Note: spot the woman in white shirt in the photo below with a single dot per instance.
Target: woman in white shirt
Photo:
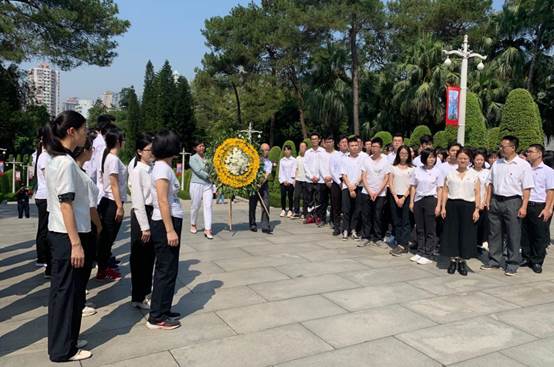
(114, 184)
(460, 209)
(142, 251)
(287, 174)
(399, 185)
(425, 196)
(68, 231)
(167, 221)
(479, 165)
(41, 196)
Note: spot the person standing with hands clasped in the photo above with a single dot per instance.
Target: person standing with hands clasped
(201, 190)
(287, 175)
(535, 235)
(68, 232)
(460, 208)
(167, 221)
(510, 182)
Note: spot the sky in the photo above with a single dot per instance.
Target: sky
(160, 30)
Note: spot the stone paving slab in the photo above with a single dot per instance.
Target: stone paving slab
(387, 275)
(536, 354)
(311, 269)
(535, 320)
(252, 262)
(493, 359)
(445, 285)
(528, 294)
(162, 359)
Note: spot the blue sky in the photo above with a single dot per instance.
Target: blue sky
(160, 30)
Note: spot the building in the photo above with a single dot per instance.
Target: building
(45, 87)
(71, 104)
(84, 106)
(108, 99)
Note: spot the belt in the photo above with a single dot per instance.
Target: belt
(536, 203)
(506, 198)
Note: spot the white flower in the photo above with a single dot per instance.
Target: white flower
(236, 162)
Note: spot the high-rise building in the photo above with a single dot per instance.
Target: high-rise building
(71, 104)
(108, 99)
(84, 106)
(45, 87)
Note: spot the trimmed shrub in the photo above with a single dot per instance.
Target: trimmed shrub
(6, 182)
(451, 134)
(475, 123)
(440, 139)
(385, 135)
(275, 154)
(493, 139)
(292, 146)
(418, 132)
(520, 118)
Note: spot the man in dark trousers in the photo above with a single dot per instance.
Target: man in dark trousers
(264, 193)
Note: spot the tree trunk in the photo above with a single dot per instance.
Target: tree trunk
(302, 122)
(535, 55)
(239, 116)
(272, 129)
(355, 79)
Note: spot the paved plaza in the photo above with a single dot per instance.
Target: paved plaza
(298, 298)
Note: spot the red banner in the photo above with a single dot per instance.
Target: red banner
(1, 168)
(452, 105)
(179, 170)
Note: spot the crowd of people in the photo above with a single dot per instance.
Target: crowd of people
(452, 203)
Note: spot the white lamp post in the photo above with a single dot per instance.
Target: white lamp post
(249, 132)
(465, 54)
(183, 155)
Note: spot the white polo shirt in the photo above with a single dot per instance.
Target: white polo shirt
(352, 168)
(287, 170)
(543, 179)
(376, 170)
(483, 181)
(114, 166)
(311, 163)
(300, 172)
(64, 176)
(426, 182)
(140, 185)
(401, 179)
(162, 171)
(462, 188)
(43, 160)
(335, 165)
(98, 146)
(510, 178)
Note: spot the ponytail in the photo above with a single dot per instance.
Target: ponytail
(112, 138)
(56, 131)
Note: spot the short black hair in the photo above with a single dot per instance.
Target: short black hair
(466, 151)
(377, 140)
(315, 133)
(454, 145)
(105, 123)
(398, 135)
(329, 137)
(352, 139)
(426, 139)
(287, 147)
(343, 137)
(166, 144)
(425, 153)
(482, 152)
(397, 158)
(197, 142)
(538, 147)
(512, 139)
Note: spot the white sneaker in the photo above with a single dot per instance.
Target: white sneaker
(424, 261)
(80, 355)
(81, 343)
(486, 246)
(144, 305)
(415, 258)
(283, 213)
(289, 214)
(88, 311)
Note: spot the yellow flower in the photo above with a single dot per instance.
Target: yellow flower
(223, 173)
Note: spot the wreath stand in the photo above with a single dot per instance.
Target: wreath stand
(230, 212)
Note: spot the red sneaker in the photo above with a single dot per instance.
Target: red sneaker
(108, 275)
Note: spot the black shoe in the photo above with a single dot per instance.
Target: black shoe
(321, 224)
(525, 263)
(166, 324)
(254, 228)
(267, 231)
(452, 267)
(336, 232)
(462, 268)
(173, 315)
(537, 268)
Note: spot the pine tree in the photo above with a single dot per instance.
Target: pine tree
(185, 123)
(166, 97)
(133, 118)
(149, 100)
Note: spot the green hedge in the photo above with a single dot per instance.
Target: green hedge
(475, 134)
(292, 146)
(185, 194)
(440, 139)
(385, 136)
(418, 132)
(521, 118)
(493, 139)
(6, 182)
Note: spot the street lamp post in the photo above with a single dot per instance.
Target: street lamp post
(183, 155)
(465, 54)
(249, 132)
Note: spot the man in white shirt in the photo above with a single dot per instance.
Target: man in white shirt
(451, 162)
(510, 182)
(264, 193)
(300, 183)
(287, 174)
(375, 177)
(312, 160)
(425, 142)
(397, 142)
(351, 174)
(535, 230)
(335, 167)
(104, 123)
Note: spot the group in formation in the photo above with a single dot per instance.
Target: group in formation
(455, 203)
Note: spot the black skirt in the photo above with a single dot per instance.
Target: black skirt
(459, 233)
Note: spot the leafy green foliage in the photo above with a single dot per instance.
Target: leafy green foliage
(185, 124)
(274, 154)
(520, 118)
(493, 138)
(149, 99)
(418, 132)
(440, 139)
(385, 136)
(475, 129)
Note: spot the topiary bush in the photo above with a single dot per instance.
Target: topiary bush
(418, 132)
(386, 136)
(476, 129)
(275, 154)
(6, 182)
(440, 139)
(493, 139)
(520, 118)
(451, 134)
(292, 146)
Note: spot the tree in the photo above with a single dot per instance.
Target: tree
(385, 136)
(68, 32)
(493, 139)
(418, 132)
(521, 118)
(96, 110)
(440, 139)
(150, 118)
(475, 129)
(185, 124)
(133, 118)
(167, 92)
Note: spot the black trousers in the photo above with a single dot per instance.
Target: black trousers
(67, 297)
(336, 206)
(402, 227)
(43, 249)
(459, 233)
(142, 260)
(324, 194)
(300, 193)
(311, 198)
(166, 269)
(23, 207)
(287, 191)
(426, 225)
(106, 209)
(482, 227)
(535, 235)
(350, 210)
(372, 217)
(253, 202)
